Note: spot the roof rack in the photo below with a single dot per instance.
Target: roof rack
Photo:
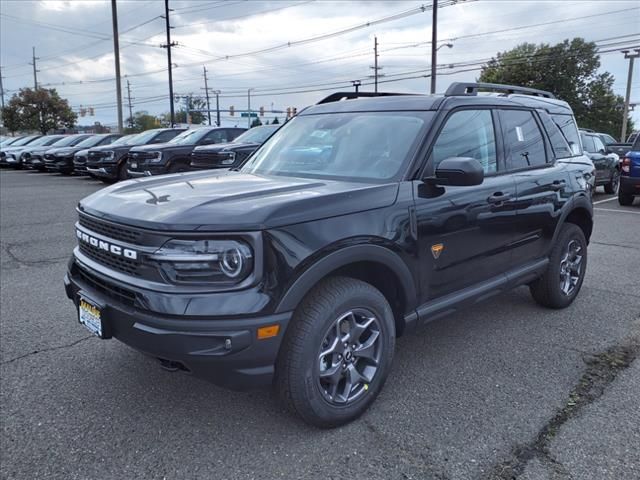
(338, 96)
(471, 89)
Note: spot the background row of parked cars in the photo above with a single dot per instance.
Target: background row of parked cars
(112, 157)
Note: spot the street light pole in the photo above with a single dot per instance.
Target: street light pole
(625, 115)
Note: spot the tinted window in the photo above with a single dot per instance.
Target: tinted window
(257, 134)
(523, 141)
(467, 133)
(599, 145)
(559, 144)
(607, 139)
(165, 136)
(569, 129)
(215, 136)
(587, 143)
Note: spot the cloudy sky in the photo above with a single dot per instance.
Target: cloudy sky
(284, 50)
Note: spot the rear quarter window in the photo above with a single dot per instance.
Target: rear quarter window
(569, 129)
(559, 144)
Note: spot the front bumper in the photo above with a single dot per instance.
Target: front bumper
(225, 351)
(103, 170)
(630, 185)
(59, 165)
(146, 169)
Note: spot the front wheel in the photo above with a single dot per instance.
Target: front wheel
(612, 186)
(562, 280)
(337, 352)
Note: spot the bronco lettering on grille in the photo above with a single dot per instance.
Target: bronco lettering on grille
(107, 246)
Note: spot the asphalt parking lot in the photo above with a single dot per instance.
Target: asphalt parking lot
(505, 390)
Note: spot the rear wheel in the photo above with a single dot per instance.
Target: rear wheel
(625, 199)
(614, 182)
(337, 352)
(562, 280)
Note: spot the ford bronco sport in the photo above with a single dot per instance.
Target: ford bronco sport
(356, 222)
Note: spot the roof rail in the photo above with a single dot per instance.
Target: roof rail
(338, 96)
(471, 89)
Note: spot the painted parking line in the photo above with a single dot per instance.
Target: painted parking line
(616, 211)
(605, 200)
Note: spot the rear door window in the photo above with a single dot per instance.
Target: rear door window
(559, 144)
(523, 140)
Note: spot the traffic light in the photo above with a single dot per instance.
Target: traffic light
(231, 111)
(288, 112)
(83, 111)
(262, 111)
(294, 112)
(91, 111)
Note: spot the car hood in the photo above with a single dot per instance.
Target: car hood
(159, 147)
(108, 148)
(224, 147)
(84, 152)
(231, 201)
(62, 150)
(14, 149)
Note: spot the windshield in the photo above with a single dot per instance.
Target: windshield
(190, 137)
(124, 140)
(23, 141)
(143, 137)
(44, 141)
(356, 146)
(68, 141)
(91, 141)
(256, 134)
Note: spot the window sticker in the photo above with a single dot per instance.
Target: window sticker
(519, 134)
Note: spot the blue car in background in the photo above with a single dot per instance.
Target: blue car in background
(630, 175)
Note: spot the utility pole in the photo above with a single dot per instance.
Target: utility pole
(130, 107)
(168, 47)
(116, 54)
(217, 92)
(631, 57)
(206, 92)
(249, 107)
(35, 70)
(1, 90)
(434, 45)
(375, 65)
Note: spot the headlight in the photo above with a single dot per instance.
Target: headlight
(223, 262)
(109, 155)
(157, 156)
(230, 158)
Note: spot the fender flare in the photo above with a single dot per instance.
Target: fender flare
(581, 201)
(340, 258)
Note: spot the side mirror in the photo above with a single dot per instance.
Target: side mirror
(458, 171)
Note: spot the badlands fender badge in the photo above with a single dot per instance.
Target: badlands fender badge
(436, 250)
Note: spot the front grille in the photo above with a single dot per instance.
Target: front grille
(110, 230)
(122, 294)
(120, 264)
(141, 155)
(210, 159)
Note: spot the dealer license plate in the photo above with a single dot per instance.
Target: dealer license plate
(90, 316)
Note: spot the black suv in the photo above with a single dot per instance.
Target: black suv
(356, 222)
(109, 163)
(174, 156)
(229, 155)
(607, 164)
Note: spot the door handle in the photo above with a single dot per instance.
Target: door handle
(499, 197)
(558, 185)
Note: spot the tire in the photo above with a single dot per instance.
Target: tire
(122, 172)
(614, 182)
(556, 288)
(321, 323)
(177, 168)
(625, 199)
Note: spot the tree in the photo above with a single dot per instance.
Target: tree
(40, 109)
(197, 118)
(275, 121)
(570, 71)
(256, 122)
(141, 121)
